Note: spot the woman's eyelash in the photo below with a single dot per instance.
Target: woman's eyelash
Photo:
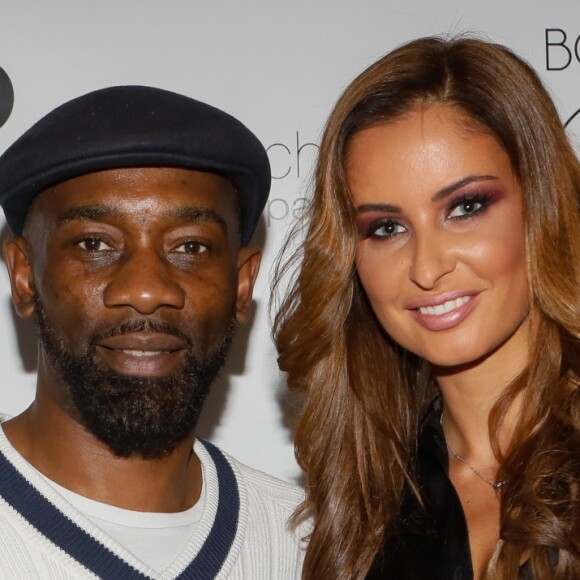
(383, 229)
(465, 207)
(468, 206)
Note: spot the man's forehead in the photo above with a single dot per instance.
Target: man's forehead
(141, 194)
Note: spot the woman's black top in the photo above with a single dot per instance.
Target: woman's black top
(431, 542)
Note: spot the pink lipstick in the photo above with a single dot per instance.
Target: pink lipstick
(444, 311)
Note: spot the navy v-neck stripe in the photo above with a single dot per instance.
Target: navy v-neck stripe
(71, 538)
(60, 530)
(213, 553)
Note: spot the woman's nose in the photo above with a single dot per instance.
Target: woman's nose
(432, 259)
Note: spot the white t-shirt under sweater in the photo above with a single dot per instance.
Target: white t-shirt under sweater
(242, 533)
(156, 539)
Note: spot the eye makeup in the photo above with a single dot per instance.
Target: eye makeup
(378, 226)
(382, 221)
(468, 206)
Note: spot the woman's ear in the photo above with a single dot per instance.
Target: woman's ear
(248, 267)
(17, 254)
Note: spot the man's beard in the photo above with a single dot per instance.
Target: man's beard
(134, 416)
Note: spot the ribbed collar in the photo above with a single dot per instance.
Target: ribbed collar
(54, 518)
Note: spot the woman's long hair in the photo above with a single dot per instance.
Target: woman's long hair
(365, 394)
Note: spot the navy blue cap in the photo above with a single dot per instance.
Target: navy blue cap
(133, 126)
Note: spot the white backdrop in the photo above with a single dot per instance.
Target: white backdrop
(278, 66)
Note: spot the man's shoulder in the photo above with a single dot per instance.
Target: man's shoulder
(277, 490)
(264, 506)
(264, 486)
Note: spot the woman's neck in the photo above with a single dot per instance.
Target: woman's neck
(469, 394)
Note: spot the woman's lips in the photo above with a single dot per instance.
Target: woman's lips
(445, 311)
(444, 308)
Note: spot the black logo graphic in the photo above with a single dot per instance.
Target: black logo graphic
(6, 96)
(573, 127)
(575, 116)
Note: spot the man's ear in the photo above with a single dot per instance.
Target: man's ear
(248, 267)
(17, 253)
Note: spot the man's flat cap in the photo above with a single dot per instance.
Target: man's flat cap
(133, 126)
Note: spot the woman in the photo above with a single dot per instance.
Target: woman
(435, 322)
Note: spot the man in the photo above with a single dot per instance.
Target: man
(132, 210)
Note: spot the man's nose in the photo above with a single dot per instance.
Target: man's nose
(145, 282)
(433, 257)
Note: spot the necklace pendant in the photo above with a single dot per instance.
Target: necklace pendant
(496, 486)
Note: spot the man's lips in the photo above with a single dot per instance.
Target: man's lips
(142, 354)
(143, 342)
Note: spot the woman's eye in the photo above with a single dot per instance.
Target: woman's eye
(466, 208)
(386, 229)
(191, 247)
(94, 245)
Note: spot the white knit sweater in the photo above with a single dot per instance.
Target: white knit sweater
(242, 535)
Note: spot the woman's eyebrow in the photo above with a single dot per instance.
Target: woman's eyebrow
(438, 196)
(386, 207)
(449, 189)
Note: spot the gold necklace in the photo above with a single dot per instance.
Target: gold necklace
(497, 485)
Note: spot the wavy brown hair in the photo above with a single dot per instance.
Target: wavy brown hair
(365, 394)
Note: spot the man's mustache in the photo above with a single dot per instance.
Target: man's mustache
(142, 325)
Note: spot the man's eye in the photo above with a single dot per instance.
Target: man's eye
(94, 245)
(191, 247)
